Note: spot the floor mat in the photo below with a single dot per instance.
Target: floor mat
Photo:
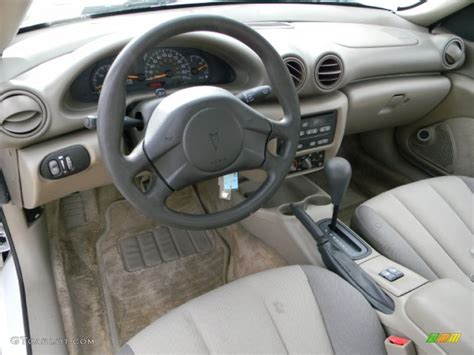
(148, 270)
(161, 245)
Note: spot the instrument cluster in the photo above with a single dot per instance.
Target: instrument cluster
(159, 68)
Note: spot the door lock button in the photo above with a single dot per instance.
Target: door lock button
(69, 163)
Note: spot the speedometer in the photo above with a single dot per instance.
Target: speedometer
(167, 66)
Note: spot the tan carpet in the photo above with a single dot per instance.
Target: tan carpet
(248, 254)
(100, 300)
(75, 224)
(135, 299)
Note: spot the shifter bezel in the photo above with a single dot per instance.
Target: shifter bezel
(346, 239)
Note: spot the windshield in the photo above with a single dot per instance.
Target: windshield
(46, 11)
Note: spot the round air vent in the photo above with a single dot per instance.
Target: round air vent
(328, 72)
(297, 71)
(453, 53)
(21, 113)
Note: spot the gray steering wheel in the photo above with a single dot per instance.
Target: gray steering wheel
(197, 133)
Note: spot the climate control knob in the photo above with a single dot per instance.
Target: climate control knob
(307, 163)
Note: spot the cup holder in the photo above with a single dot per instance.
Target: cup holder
(314, 200)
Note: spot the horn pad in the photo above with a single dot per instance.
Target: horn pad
(212, 139)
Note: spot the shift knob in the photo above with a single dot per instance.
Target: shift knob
(338, 172)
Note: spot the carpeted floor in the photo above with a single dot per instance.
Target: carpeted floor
(101, 300)
(249, 254)
(135, 299)
(75, 224)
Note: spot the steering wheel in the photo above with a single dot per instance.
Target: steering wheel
(197, 133)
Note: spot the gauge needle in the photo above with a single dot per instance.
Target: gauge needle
(202, 67)
(159, 76)
(133, 77)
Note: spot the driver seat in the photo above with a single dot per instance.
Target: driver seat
(293, 309)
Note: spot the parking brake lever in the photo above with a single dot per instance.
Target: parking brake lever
(342, 264)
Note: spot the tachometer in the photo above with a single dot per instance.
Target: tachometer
(167, 66)
(98, 77)
(199, 68)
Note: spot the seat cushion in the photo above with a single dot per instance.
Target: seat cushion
(426, 226)
(286, 310)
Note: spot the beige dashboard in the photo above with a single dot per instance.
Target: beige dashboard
(390, 74)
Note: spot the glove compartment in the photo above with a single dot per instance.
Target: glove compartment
(391, 102)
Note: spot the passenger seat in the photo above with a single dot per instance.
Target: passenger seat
(427, 226)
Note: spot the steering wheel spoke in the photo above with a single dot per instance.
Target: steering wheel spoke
(272, 163)
(183, 176)
(158, 192)
(136, 162)
(281, 129)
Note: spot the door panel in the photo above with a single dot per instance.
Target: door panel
(442, 142)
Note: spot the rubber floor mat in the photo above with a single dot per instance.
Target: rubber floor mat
(161, 245)
(148, 269)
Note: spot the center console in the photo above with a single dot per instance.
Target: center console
(316, 132)
(323, 123)
(434, 315)
(427, 316)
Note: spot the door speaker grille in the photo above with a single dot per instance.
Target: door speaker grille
(440, 150)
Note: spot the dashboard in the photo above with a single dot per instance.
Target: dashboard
(159, 68)
(354, 71)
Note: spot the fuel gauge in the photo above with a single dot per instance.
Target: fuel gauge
(199, 68)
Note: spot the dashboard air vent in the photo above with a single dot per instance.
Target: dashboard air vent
(21, 114)
(453, 53)
(328, 72)
(297, 71)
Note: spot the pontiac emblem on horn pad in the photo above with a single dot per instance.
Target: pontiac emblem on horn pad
(214, 138)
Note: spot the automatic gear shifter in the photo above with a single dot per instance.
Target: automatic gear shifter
(341, 263)
(338, 172)
(339, 246)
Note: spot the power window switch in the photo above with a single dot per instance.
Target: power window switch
(54, 167)
(391, 274)
(395, 271)
(387, 275)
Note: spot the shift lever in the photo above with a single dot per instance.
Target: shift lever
(338, 172)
